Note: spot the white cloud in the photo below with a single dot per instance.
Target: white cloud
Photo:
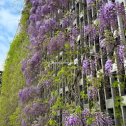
(9, 18)
(2, 2)
(8, 21)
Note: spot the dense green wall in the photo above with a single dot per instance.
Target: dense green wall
(12, 79)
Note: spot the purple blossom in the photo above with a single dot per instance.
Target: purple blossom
(45, 9)
(34, 2)
(121, 53)
(38, 10)
(32, 10)
(85, 112)
(90, 31)
(36, 109)
(63, 3)
(74, 31)
(52, 23)
(85, 115)
(108, 66)
(65, 23)
(108, 15)
(72, 120)
(38, 24)
(56, 43)
(72, 41)
(28, 80)
(73, 35)
(92, 93)
(120, 8)
(43, 29)
(86, 65)
(52, 46)
(35, 59)
(23, 123)
(47, 83)
(102, 119)
(92, 67)
(24, 65)
(32, 17)
(99, 118)
(103, 43)
(29, 93)
(51, 100)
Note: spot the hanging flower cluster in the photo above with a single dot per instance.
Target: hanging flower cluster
(86, 65)
(108, 66)
(108, 14)
(89, 66)
(29, 93)
(50, 28)
(56, 43)
(92, 93)
(73, 120)
(35, 109)
(98, 119)
(42, 25)
(121, 53)
(91, 31)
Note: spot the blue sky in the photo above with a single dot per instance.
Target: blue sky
(10, 13)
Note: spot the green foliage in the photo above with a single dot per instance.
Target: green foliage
(78, 110)
(13, 79)
(83, 95)
(14, 118)
(58, 105)
(52, 122)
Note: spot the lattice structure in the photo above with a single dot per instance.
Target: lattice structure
(88, 57)
(108, 94)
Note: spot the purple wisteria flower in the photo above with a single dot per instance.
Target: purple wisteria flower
(85, 112)
(35, 59)
(29, 93)
(45, 9)
(92, 67)
(120, 8)
(108, 66)
(86, 65)
(36, 109)
(73, 120)
(23, 123)
(64, 3)
(47, 83)
(121, 53)
(102, 119)
(24, 65)
(51, 100)
(108, 15)
(65, 23)
(92, 92)
(98, 118)
(56, 43)
(90, 30)
(85, 115)
(103, 43)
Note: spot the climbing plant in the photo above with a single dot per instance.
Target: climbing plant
(12, 78)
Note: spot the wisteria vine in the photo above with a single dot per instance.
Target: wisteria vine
(51, 29)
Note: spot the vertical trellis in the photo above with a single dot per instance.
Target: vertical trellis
(107, 95)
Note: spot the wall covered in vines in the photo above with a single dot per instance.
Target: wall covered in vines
(73, 73)
(12, 78)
